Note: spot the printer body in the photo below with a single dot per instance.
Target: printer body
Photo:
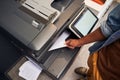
(29, 21)
(37, 24)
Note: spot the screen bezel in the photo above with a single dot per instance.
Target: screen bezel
(74, 29)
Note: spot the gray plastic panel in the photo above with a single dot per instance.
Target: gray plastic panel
(21, 26)
(43, 37)
(17, 22)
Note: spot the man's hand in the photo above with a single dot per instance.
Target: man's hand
(92, 37)
(72, 43)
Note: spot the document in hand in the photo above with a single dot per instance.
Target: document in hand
(29, 71)
(60, 42)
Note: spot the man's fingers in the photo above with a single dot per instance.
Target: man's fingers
(71, 47)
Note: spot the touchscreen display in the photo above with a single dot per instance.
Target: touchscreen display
(85, 22)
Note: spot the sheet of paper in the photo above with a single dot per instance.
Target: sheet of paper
(29, 71)
(60, 42)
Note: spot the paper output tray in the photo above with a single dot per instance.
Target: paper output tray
(59, 60)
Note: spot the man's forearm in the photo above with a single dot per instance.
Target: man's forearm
(92, 37)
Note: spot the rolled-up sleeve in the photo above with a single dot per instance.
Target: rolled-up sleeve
(112, 24)
(106, 30)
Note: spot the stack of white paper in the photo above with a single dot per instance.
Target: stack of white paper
(29, 71)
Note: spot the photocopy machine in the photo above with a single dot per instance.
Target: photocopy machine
(29, 20)
(35, 24)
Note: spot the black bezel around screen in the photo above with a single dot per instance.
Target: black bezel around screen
(74, 29)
